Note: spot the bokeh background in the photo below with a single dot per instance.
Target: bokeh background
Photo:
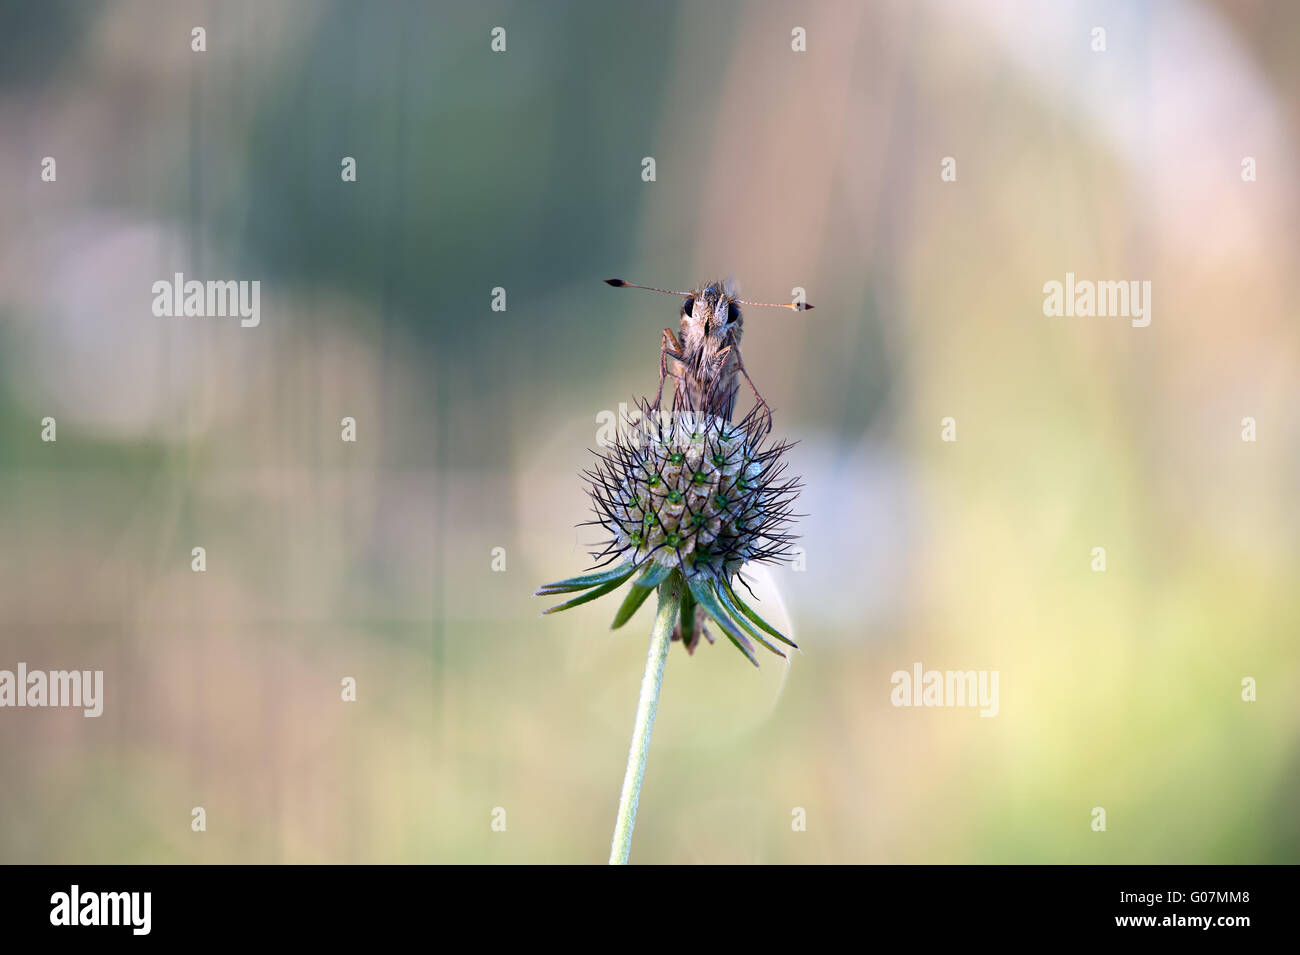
(522, 170)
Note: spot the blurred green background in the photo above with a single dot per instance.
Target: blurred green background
(522, 170)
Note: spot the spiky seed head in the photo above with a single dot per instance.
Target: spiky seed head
(692, 491)
(688, 499)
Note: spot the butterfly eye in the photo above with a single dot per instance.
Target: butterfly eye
(733, 313)
(688, 306)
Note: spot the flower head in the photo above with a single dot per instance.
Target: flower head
(690, 493)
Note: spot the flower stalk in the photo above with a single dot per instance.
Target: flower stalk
(670, 597)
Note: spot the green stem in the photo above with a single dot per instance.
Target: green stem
(670, 598)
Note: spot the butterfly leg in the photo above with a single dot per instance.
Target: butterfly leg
(723, 356)
(740, 366)
(669, 348)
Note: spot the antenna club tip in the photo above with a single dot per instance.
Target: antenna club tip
(617, 283)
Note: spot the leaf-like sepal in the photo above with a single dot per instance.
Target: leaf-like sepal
(738, 616)
(620, 573)
(749, 612)
(589, 595)
(704, 596)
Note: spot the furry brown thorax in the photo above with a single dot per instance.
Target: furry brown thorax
(710, 322)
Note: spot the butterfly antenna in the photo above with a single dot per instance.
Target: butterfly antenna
(795, 306)
(619, 283)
